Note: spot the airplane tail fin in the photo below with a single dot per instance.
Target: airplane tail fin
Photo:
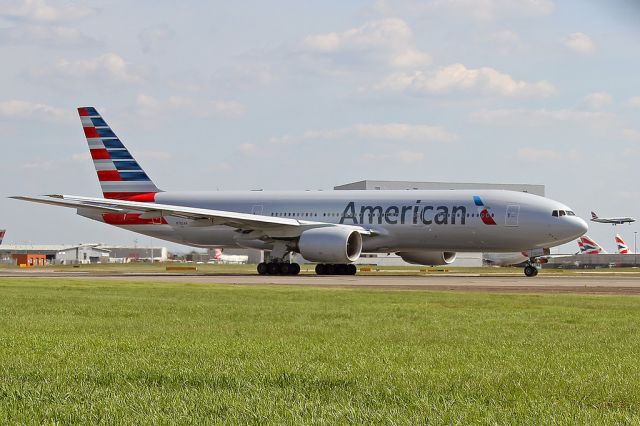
(120, 175)
(581, 246)
(218, 254)
(594, 215)
(591, 247)
(2, 231)
(622, 246)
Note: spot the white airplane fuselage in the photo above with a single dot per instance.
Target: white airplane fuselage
(449, 220)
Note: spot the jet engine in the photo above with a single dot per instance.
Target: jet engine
(430, 258)
(330, 245)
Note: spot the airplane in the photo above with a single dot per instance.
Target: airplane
(591, 247)
(622, 246)
(611, 220)
(2, 232)
(220, 257)
(330, 228)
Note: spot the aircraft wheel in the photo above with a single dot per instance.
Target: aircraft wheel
(262, 268)
(285, 269)
(320, 269)
(330, 269)
(274, 268)
(341, 269)
(530, 271)
(295, 269)
(351, 269)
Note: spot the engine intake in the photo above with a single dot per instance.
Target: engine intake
(330, 245)
(429, 258)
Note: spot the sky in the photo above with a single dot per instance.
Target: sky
(308, 95)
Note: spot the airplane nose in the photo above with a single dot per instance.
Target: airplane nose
(581, 227)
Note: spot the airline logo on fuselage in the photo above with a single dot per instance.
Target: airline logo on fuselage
(415, 214)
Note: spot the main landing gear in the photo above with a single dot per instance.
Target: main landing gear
(530, 270)
(278, 268)
(339, 269)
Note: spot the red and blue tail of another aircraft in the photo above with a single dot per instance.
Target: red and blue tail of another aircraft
(120, 175)
(622, 246)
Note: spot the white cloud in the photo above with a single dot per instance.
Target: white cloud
(148, 105)
(391, 39)
(544, 155)
(580, 42)
(44, 35)
(81, 157)
(155, 38)
(506, 41)
(390, 131)
(41, 11)
(531, 118)
(631, 134)
(109, 69)
(248, 149)
(598, 100)
(401, 156)
(634, 102)
(32, 110)
(458, 78)
(492, 9)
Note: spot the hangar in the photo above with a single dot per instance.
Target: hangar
(53, 254)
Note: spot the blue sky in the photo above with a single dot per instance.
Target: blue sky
(307, 95)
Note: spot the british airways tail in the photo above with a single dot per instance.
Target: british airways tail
(594, 215)
(120, 175)
(622, 246)
(2, 231)
(591, 247)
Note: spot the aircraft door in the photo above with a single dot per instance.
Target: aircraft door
(513, 211)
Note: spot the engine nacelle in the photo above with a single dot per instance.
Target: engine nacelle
(330, 245)
(430, 258)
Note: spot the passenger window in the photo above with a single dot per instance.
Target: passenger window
(555, 213)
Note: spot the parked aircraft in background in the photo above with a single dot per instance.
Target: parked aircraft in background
(331, 228)
(220, 257)
(591, 247)
(622, 246)
(2, 231)
(611, 220)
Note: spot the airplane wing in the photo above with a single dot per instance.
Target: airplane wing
(244, 221)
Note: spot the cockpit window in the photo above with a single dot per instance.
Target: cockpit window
(554, 213)
(570, 213)
(562, 213)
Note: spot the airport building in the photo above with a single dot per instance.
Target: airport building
(381, 185)
(126, 254)
(52, 254)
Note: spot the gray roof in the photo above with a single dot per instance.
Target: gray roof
(55, 248)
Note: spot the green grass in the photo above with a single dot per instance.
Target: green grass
(118, 352)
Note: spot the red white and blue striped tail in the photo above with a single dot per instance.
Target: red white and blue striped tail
(622, 246)
(120, 175)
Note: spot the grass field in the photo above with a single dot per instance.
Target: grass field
(118, 352)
